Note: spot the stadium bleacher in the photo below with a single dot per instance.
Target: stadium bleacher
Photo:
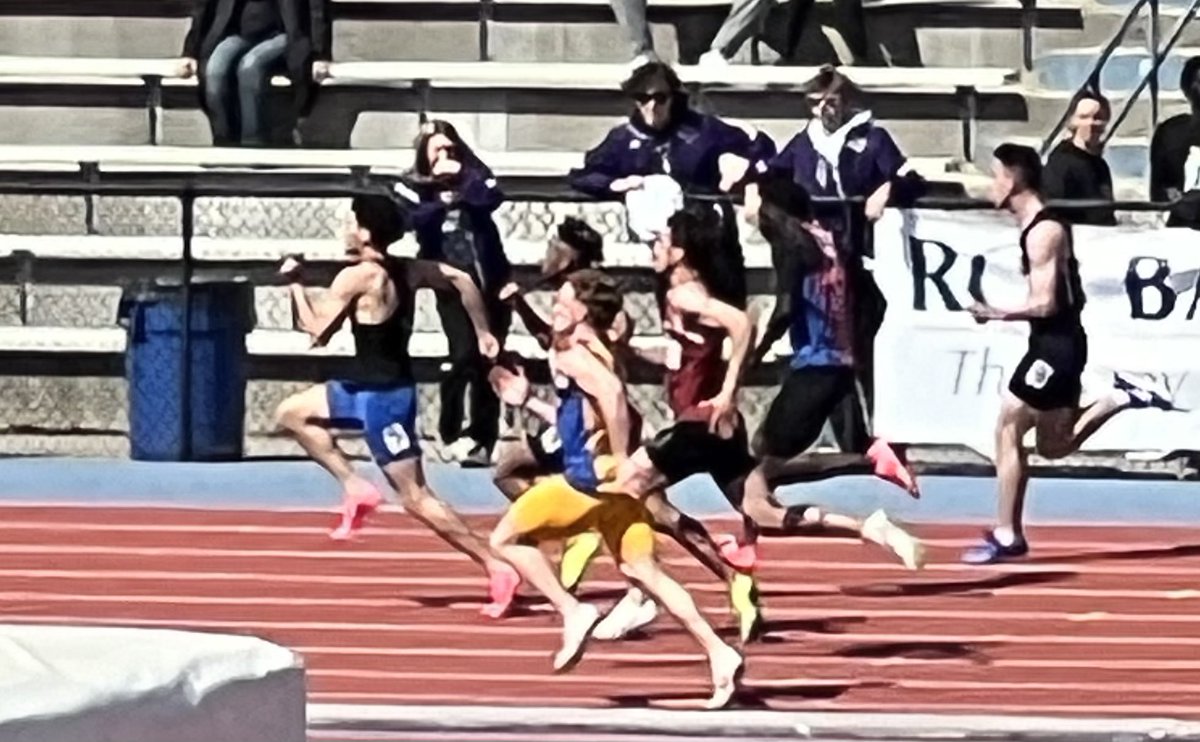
(91, 86)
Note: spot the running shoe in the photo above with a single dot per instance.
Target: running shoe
(743, 599)
(631, 613)
(727, 670)
(880, 529)
(991, 551)
(577, 629)
(577, 555)
(742, 557)
(890, 466)
(1144, 393)
(503, 582)
(359, 500)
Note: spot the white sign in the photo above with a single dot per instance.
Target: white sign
(939, 375)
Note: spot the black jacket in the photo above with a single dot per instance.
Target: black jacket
(307, 24)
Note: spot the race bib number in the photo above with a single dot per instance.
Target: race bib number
(1038, 375)
(396, 438)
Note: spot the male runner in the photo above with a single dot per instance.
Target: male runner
(1044, 391)
(822, 374)
(375, 292)
(569, 503)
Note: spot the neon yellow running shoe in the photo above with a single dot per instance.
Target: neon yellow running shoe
(577, 555)
(743, 598)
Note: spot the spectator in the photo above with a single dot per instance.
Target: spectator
(747, 17)
(1175, 155)
(664, 136)
(237, 45)
(453, 224)
(1076, 168)
(842, 153)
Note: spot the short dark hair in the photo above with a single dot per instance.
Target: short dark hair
(649, 74)
(600, 294)
(381, 217)
(1023, 161)
(786, 206)
(1191, 69)
(1094, 95)
(829, 80)
(583, 239)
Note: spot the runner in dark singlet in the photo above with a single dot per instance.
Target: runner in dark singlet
(1044, 391)
(379, 397)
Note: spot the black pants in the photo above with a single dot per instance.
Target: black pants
(468, 372)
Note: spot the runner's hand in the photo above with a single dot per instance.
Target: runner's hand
(489, 346)
(512, 387)
(291, 266)
(722, 414)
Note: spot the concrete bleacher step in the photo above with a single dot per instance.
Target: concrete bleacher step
(1067, 69)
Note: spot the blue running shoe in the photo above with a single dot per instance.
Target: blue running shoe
(1145, 393)
(992, 551)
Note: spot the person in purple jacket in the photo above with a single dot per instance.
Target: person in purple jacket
(664, 136)
(842, 152)
(453, 224)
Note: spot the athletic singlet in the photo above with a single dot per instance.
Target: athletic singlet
(701, 372)
(381, 350)
(1068, 293)
(579, 464)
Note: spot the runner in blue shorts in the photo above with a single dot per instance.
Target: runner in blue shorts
(379, 396)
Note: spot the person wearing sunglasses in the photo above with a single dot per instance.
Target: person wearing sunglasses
(456, 197)
(665, 136)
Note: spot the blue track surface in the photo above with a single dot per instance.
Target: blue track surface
(290, 484)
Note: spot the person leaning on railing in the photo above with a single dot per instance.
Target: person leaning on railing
(1175, 155)
(456, 196)
(236, 46)
(665, 136)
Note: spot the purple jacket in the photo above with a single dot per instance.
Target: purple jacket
(869, 159)
(687, 151)
(478, 196)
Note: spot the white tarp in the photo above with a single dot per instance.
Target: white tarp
(939, 375)
(68, 684)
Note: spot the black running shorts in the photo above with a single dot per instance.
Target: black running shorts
(1049, 376)
(688, 448)
(805, 400)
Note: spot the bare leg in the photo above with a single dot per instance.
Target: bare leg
(305, 416)
(724, 661)
(578, 618)
(514, 472)
(1012, 465)
(1063, 432)
(689, 533)
(407, 477)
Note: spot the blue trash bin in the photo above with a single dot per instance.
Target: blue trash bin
(222, 315)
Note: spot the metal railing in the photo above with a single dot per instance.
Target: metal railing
(1150, 78)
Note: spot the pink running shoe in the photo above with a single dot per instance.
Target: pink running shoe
(741, 557)
(359, 500)
(503, 582)
(890, 466)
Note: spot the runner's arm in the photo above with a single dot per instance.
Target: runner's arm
(324, 319)
(606, 391)
(428, 274)
(1045, 245)
(734, 321)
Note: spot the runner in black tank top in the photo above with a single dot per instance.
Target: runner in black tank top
(379, 395)
(1044, 391)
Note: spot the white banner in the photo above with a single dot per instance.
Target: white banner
(939, 375)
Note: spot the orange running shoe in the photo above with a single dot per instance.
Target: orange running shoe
(503, 582)
(890, 466)
(359, 500)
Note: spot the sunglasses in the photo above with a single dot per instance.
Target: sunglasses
(644, 98)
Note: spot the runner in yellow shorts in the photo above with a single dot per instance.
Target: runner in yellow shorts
(593, 425)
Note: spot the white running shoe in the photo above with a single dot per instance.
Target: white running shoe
(633, 612)
(468, 452)
(712, 59)
(577, 629)
(879, 529)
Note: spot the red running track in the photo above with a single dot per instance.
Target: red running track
(1103, 621)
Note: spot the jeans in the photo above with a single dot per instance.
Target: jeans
(238, 87)
(631, 17)
(468, 372)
